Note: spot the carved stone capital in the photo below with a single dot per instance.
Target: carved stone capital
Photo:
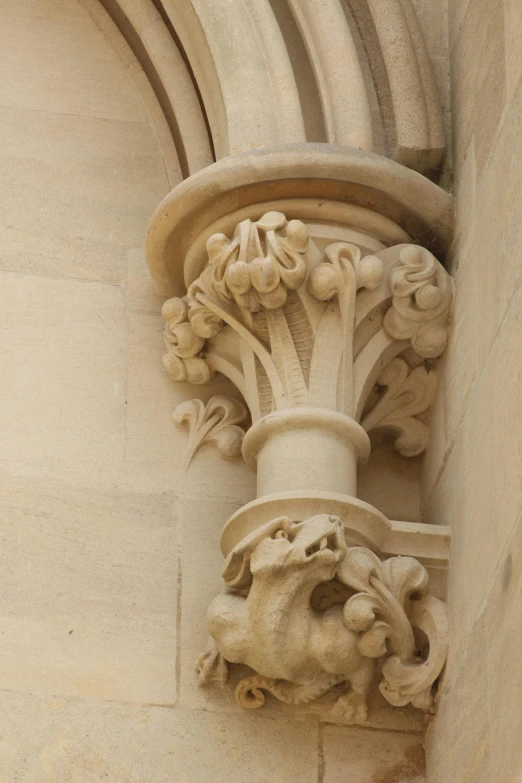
(315, 298)
(334, 328)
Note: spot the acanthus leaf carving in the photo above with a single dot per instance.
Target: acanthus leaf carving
(421, 305)
(266, 619)
(216, 422)
(409, 393)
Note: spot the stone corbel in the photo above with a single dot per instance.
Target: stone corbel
(318, 298)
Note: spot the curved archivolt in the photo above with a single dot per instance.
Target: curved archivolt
(222, 77)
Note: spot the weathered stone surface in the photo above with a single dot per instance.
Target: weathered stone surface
(62, 349)
(355, 756)
(449, 505)
(478, 74)
(493, 456)
(498, 233)
(54, 59)
(155, 456)
(200, 567)
(55, 740)
(63, 215)
(513, 27)
(89, 593)
(459, 739)
(391, 483)
(475, 735)
(503, 615)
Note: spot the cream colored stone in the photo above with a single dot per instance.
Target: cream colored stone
(237, 45)
(478, 491)
(334, 58)
(432, 16)
(391, 483)
(459, 739)
(451, 504)
(89, 599)
(465, 208)
(307, 88)
(497, 231)
(76, 193)
(513, 28)
(433, 459)
(62, 411)
(55, 740)
(54, 59)
(142, 295)
(478, 73)
(355, 756)
(201, 520)
(256, 271)
(155, 456)
(145, 89)
(419, 132)
(494, 459)
(90, 536)
(456, 12)
(168, 66)
(460, 362)
(503, 617)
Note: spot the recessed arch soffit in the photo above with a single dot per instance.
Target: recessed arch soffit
(229, 76)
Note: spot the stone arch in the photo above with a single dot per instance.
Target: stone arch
(229, 76)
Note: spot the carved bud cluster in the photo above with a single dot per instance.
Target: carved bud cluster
(184, 360)
(256, 268)
(329, 279)
(422, 296)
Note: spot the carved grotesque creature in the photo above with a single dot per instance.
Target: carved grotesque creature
(266, 619)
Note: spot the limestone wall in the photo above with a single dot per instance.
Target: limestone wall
(109, 551)
(472, 476)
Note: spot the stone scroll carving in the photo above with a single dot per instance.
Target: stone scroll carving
(216, 422)
(408, 394)
(307, 613)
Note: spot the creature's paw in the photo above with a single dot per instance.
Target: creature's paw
(211, 668)
(351, 708)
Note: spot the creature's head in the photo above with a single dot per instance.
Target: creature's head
(311, 549)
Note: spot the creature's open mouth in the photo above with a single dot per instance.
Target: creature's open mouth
(326, 542)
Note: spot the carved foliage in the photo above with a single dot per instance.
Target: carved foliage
(289, 332)
(408, 394)
(184, 360)
(258, 266)
(422, 297)
(216, 422)
(345, 269)
(268, 621)
(382, 610)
